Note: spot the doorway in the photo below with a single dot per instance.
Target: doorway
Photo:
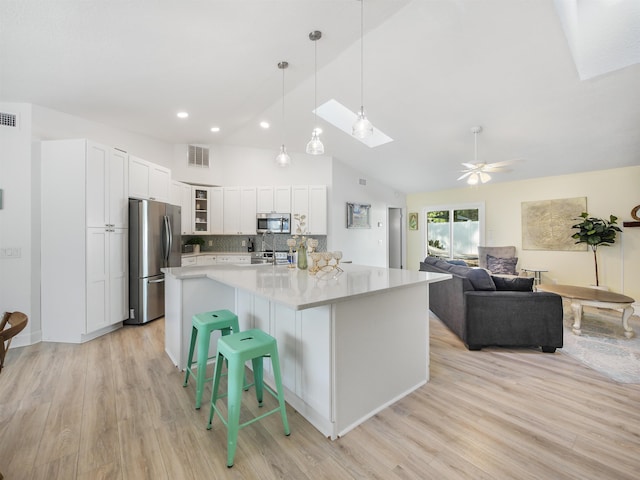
(395, 237)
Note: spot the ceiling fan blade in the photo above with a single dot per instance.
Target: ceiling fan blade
(470, 165)
(464, 175)
(504, 163)
(489, 169)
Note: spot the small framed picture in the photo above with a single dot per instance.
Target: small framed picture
(413, 221)
(358, 215)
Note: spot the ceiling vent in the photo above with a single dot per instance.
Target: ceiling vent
(198, 156)
(8, 119)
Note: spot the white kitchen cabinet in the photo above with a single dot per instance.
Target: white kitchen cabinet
(84, 261)
(233, 259)
(186, 211)
(317, 219)
(148, 180)
(216, 219)
(206, 260)
(310, 200)
(200, 200)
(107, 277)
(273, 199)
(189, 261)
(239, 210)
(106, 180)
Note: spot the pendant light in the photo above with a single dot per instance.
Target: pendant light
(315, 146)
(362, 127)
(283, 159)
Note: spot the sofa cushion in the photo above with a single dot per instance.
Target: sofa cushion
(481, 280)
(515, 284)
(458, 262)
(442, 265)
(502, 265)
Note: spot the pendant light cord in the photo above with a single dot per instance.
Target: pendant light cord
(315, 85)
(362, 54)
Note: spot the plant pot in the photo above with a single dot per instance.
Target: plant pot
(196, 249)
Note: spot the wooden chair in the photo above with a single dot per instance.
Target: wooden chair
(16, 321)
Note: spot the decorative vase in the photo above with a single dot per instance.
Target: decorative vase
(196, 249)
(302, 257)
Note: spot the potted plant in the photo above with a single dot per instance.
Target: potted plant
(197, 242)
(596, 232)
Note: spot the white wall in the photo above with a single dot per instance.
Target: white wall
(53, 125)
(363, 246)
(19, 276)
(608, 192)
(231, 165)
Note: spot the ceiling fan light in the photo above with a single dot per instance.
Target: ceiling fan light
(484, 177)
(283, 159)
(315, 146)
(473, 179)
(362, 127)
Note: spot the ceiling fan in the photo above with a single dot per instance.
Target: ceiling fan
(479, 171)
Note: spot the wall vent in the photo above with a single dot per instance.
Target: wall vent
(362, 181)
(8, 119)
(198, 156)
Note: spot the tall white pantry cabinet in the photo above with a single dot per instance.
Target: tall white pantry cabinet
(84, 240)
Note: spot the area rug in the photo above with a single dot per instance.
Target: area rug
(602, 344)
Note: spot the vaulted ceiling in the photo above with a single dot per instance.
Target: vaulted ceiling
(432, 70)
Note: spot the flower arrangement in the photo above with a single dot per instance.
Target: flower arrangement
(301, 232)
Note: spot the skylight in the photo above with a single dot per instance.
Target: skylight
(603, 36)
(341, 117)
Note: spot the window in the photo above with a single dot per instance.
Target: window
(454, 231)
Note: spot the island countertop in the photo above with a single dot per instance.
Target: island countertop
(298, 290)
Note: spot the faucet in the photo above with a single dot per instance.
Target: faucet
(273, 245)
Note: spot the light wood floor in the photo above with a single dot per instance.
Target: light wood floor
(115, 408)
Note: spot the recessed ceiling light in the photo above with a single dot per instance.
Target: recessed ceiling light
(215, 129)
(264, 124)
(183, 114)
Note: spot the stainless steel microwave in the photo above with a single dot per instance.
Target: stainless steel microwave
(273, 222)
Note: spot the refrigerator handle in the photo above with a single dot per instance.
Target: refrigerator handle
(167, 240)
(170, 236)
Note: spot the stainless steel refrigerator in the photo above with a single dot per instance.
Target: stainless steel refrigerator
(154, 243)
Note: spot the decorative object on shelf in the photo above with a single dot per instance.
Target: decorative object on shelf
(315, 146)
(362, 127)
(413, 221)
(283, 159)
(479, 171)
(596, 232)
(291, 242)
(197, 242)
(358, 215)
(634, 212)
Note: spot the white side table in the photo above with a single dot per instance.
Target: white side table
(536, 274)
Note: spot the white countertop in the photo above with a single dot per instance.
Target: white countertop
(299, 290)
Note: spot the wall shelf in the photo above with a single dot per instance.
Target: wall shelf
(631, 224)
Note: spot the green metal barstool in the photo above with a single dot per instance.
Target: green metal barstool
(203, 324)
(238, 348)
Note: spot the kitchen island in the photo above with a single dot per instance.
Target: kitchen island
(350, 344)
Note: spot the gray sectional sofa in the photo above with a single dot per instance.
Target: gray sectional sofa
(485, 310)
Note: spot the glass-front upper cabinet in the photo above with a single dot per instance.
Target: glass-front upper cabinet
(201, 209)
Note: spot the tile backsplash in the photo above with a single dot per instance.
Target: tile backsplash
(233, 243)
